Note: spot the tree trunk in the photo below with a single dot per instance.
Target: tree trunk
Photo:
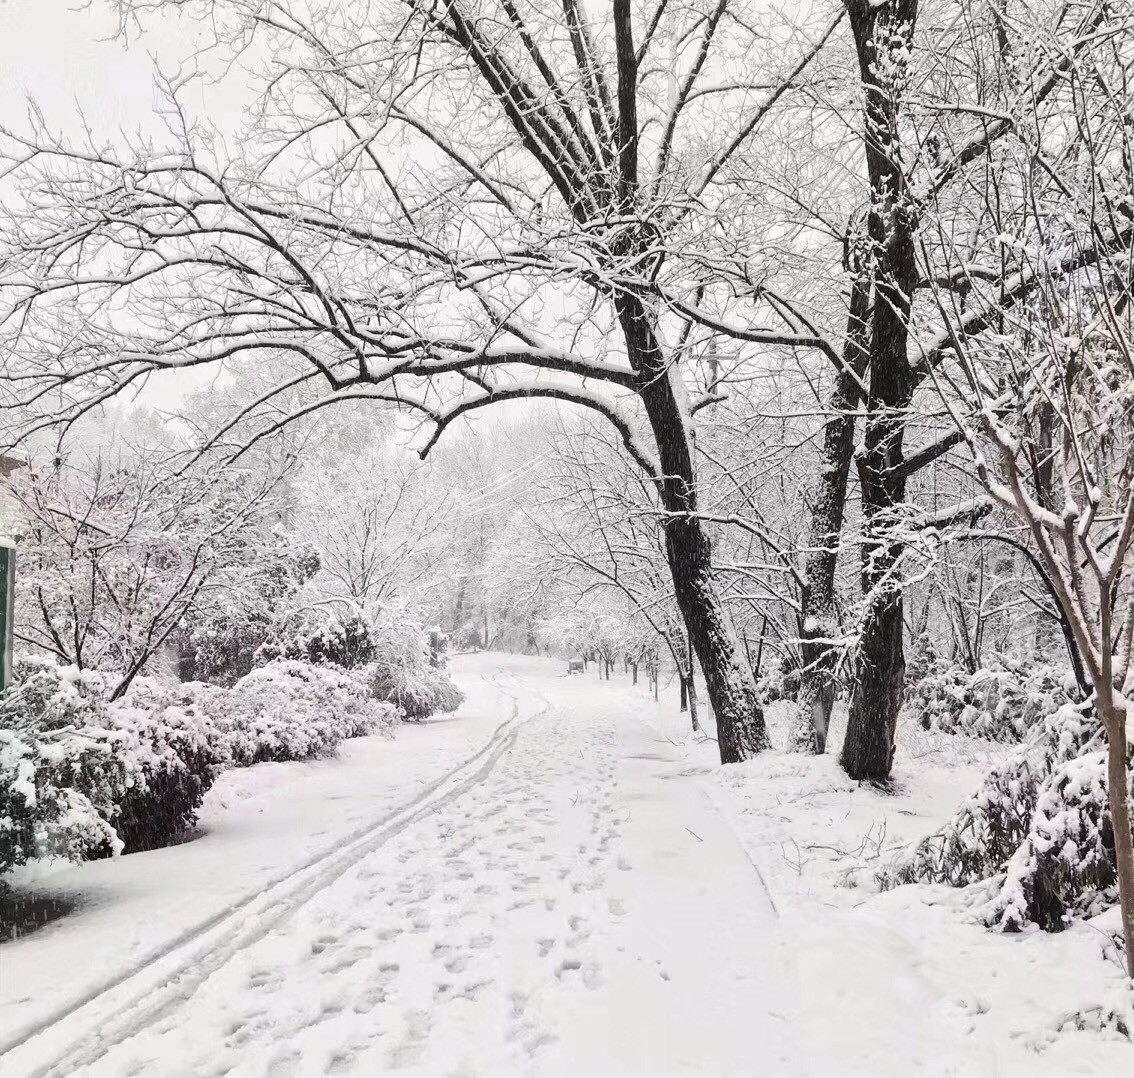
(684, 691)
(818, 614)
(868, 751)
(1118, 795)
(693, 703)
(728, 681)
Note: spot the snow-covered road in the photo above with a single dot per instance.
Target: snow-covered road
(565, 902)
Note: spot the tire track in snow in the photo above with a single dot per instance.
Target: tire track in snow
(179, 968)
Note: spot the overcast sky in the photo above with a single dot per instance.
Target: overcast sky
(67, 58)
(62, 55)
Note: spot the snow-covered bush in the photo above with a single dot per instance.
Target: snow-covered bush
(1037, 832)
(47, 695)
(290, 710)
(84, 777)
(43, 810)
(388, 643)
(171, 755)
(779, 680)
(141, 763)
(340, 637)
(417, 693)
(1065, 865)
(1000, 703)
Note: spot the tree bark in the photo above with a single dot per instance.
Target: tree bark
(693, 704)
(868, 751)
(818, 613)
(1118, 795)
(730, 685)
(729, 682)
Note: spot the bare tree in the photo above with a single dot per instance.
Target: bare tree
(118, 558)
(932, 115)
(1042, 386)
(434, 182)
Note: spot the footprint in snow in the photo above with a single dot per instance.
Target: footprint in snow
(341, 1063)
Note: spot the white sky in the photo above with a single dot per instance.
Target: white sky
(62, 54)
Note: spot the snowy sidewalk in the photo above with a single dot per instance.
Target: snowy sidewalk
(568, 903)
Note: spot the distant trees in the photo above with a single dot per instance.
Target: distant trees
(595, 528)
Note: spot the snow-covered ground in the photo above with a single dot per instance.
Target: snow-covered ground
(557, 880)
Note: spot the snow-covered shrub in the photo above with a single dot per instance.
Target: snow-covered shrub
(418, 693)
(1037, 831)
(290, 710)
(82, 777)
(402, 666)
(43, 812)
(779, 681)
(1001, 703)
(170, 752)
(1065, 865)
(141, 763)
(46, 695)
(339, 637)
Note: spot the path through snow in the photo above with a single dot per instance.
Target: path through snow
(567, 903)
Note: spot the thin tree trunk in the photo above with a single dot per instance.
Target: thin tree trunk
(684, 691)
(1118, 795)
(693, 703)
(729, 682)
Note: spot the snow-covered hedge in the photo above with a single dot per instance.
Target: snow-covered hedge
(44, 811)
(387, 646)
(83, 777)
(290, 710)
(416, 693)
(1037, 833)
(1000, 703)
(139, 765)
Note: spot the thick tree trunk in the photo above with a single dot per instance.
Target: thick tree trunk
(818, 614)
(868, 751)
(728, 681)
